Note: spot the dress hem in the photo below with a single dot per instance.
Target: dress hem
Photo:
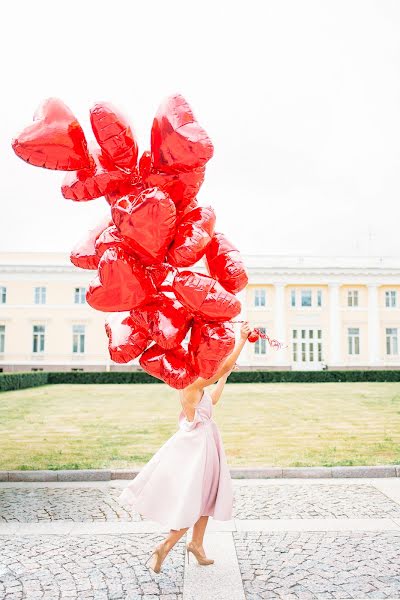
(128, 499)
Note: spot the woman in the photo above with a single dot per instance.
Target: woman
(188, 479)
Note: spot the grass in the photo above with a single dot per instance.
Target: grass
(275, 424)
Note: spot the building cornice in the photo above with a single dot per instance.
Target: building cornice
(279, 265)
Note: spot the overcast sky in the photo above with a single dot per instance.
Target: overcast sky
(300, 98)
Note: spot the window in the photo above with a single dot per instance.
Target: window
(259, 297)
(391, 298)
(307, 345)
(354, 340)
(2, 338)
(319, 297)
(78, 338)
(38, 338)
(391, 341)
(80, 295)
(40, 295)
(352, 298)
(293, 297)
(3, 294)
(306, 297)
(260, 347)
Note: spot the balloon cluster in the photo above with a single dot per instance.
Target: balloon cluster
(155, 230)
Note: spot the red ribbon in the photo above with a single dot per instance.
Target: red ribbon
(276, 344)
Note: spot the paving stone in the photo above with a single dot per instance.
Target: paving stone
(99, 567)
(44, 504)
(280, 501)
(334, 565)
(320, 501)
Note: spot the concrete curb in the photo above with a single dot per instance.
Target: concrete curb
(236, 473)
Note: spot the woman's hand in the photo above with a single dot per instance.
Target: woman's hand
(245, 331)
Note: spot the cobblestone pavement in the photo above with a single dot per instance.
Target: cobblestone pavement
(27, 505)
(102, 567)
(319, 565)
(281, 501)
(268, 550)
(313, 501)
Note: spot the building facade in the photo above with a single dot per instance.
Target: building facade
(329, 312)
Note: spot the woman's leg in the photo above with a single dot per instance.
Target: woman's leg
(198, 531)
(173, 537)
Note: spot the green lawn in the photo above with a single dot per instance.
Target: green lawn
(278, 424)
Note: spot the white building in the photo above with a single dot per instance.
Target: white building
(342, 312)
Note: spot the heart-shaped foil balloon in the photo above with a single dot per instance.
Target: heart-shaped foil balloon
(193, 234)
(112, 237)
(114, 135)
(224, 263)
(181, 187)
(83, 254)
(122, 282)
(178, 143)
(55, 140)
(159, 272)
(100, 179)
(165, 319)
(171, 366)
(129, 187)
(148, 221)
(125, 340)
(204, 297)
(210, 344)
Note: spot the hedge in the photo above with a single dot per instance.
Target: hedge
(17, 381)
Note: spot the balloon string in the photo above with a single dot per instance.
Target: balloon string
(272, 342)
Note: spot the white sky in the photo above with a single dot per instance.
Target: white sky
(300, 98)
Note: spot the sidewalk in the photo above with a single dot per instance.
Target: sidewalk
(289, 539)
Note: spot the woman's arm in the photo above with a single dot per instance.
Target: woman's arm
(219, 386)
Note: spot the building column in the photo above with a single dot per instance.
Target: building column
(279, 357)
(335, 325)
(245, 357)
(373, 325)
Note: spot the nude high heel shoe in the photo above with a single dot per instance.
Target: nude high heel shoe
(158, 560)
(201, 559)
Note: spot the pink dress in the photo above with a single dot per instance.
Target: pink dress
(187, 477)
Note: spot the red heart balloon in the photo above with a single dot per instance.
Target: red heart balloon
(55, 140)
(193, 234)
(178, 143)
(121, 284)
(165, 319)
(100, 179)
(182, 187)
(148, 221)
(180, 213)
(83, 254)
(210, 344)
(114, 135)
(159, 272)
(224, 263)
(131, 186)
(110, 238)
(205, 297)
(171, 366)
(125, 340)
